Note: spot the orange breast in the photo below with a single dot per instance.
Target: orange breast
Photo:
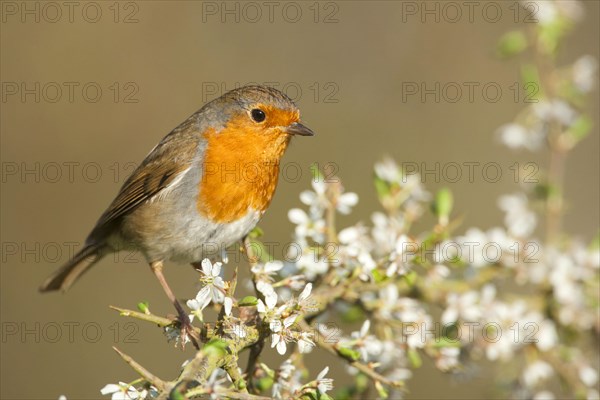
(241, 167)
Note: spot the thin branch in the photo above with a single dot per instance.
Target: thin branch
(155, 319)
(370, 372)
(144, 373)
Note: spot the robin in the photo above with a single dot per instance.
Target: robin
(208, 182)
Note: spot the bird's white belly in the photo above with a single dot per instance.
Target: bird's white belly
(207, 239)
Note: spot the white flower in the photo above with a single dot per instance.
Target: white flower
(388, 170)
(544, 395)
(228, 304)
(285, 380)
(324, 384)
(122, 391)
(312, 264)
(264, 287)
(516, 136)
(588, 375)
(317, 200)
(478, 248)
(306, 226)
(547, 338)
(584, 73)
(305, 303)
(321, 198)
(463, 306)
(546, 11)
(305, 343)
(305, 294)
(448, 358)
(411, 313)
(268, 306)
(280, 333)
(537, 372)
(555, 110)
(346, 201)
(389, 298)
(386, 231)
(366, 344)
(214, 286)
(519, 220)
(593, 394)
(403, 252)
(267, 269)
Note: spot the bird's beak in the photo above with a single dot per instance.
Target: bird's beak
(298, 129)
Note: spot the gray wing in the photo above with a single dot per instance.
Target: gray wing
(173, 155)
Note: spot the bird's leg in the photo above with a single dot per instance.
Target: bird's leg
(186, 326)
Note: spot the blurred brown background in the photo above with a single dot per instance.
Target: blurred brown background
(155, 63)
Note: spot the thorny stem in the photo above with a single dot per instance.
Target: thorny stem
(224, 394)
(370, 372)
(205, 333)
(257, 347)
(144, 373)
(556, 164)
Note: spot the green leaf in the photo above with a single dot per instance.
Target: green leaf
(144, 307)
(410, 278)
(353, 314)
(248, 301)
(511, 44)
(311, 395)
(324, 396)
(414, 358)
(544, 191)
(444, 342)
(378, 275)
(344, 393)
(580, 128)
(349, 353)
(216, 347)
(264, 383)
(362, 382)
(551, 33)
(442, 204)
(382, 188)
(316, 173)
(255, 233)
(381, 391)
(176, 395)
(530, 76)
(261, 250)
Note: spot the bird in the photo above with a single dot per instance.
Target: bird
(204, 186)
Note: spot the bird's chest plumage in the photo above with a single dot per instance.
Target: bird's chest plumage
(240, 172)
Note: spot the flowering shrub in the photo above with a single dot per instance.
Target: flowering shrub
(506, 295)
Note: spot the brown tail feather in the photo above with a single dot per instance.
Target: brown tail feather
(68, 274)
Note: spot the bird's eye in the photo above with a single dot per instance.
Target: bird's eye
(258, 115)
